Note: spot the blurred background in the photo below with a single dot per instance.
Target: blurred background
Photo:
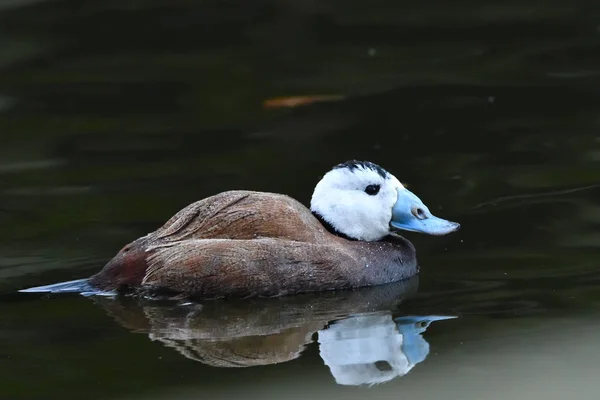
(116, 114)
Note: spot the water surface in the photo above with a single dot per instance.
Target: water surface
(117, 114)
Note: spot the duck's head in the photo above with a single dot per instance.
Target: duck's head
(362, 201)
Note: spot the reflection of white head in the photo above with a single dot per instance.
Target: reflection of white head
(364, 349)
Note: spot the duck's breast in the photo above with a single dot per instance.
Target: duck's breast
(389, 260)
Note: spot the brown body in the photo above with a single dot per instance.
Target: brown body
(242, 243)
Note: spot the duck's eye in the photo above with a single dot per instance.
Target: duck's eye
(372, 190)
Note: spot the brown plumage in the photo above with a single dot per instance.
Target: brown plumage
(242, 243)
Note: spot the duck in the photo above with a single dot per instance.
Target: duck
(243, 243)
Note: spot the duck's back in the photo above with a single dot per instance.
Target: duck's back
(242, 215)
(232, 216)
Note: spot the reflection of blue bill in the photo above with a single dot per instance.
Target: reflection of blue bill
(374, 348)
(414, 346)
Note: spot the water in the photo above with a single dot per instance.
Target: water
(114, 115)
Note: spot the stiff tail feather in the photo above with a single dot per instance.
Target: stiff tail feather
(81, 286)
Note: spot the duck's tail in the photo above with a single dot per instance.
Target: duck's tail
(81, 286)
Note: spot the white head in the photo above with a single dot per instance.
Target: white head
(363, 201)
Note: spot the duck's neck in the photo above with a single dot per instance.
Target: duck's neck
(330, 227)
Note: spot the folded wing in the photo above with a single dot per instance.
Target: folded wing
(260, 267)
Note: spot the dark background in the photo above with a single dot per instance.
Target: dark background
(115, 114)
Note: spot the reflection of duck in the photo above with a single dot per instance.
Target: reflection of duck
(374, 348)
(242, 244)
(358, 338)
(236, 333)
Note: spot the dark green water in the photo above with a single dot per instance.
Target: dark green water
(115, 114)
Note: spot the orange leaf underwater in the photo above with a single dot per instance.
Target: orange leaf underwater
(295, 101)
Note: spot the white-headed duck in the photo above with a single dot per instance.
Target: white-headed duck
(244, 243)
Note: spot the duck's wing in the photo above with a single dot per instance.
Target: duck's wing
(242, 215)
(243, 268)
